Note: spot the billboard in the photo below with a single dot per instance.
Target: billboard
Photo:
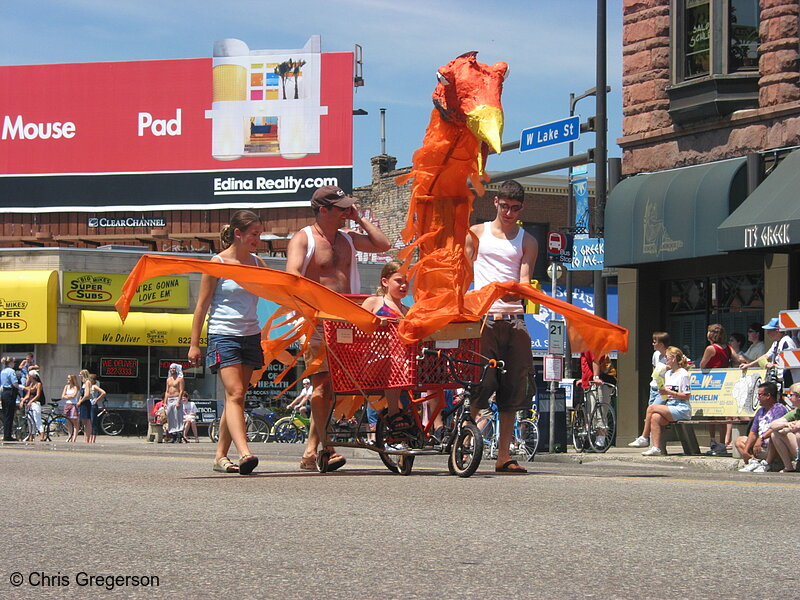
(250, 128)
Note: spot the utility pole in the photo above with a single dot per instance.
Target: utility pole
(600, 156)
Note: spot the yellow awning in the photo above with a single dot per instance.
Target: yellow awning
(28, 307)
(139, 329)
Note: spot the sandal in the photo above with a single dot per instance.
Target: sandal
(225, 465)
(247, 464)
(308, 463)
(400, 422)
(336, 461)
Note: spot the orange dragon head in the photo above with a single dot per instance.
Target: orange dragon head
(469, 92)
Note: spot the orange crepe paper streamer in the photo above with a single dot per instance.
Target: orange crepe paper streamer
(294, 293)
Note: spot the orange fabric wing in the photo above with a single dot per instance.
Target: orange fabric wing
(296, 294)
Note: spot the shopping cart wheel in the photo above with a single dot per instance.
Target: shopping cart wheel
(323, 456)
(404, 463)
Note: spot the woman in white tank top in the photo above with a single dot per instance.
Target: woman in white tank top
(234, 337)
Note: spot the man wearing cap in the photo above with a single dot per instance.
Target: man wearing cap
(505, 252)
(326, 253)
(772, 359)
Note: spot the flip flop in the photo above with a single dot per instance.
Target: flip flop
(506, 468)
(247, 463)
(225, 465)
(336, 461)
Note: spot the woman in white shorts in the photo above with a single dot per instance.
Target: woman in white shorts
(676, 390)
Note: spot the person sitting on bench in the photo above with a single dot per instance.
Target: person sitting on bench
(756, 451)
(676, 390)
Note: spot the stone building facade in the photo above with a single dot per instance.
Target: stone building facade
(768, 118)
(711, 123)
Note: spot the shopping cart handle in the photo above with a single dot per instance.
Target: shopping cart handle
(429, 352)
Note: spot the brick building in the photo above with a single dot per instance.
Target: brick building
(702, 228)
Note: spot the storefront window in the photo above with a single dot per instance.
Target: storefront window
(734, 301)
(131, 374)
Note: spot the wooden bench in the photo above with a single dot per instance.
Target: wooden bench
(684, 431)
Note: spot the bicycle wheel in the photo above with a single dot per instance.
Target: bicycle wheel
(467, 450)
(20, 426)
(579, 431)
(257, 429)
(112, 423)
(57, 428)
(602, 426)
(489, 441)
(287, 432)
(404, 464)
(213, 431)
(526, 435)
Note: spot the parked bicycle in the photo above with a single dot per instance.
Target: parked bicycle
(56, 425)
(259, 423)
(292, 429)
(526, 435)
(111, 423)
(592, 421)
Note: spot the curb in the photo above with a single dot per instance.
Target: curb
(139, 445)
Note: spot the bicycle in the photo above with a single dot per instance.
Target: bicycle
(25, 425)
(525, 440)
(111, 423)
(459, 438)
(592, 421)
(259, 426)
(56, 425)
(292, 429)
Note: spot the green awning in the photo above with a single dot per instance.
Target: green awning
(671, 215)
(770, 217)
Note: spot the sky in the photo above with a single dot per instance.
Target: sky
(548, 44)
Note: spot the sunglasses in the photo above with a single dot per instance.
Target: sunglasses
(514, 208)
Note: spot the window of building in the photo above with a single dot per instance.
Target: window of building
(734, 301)
(714, 56)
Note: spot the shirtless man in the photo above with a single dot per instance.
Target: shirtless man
(175, 387)
(325, 253)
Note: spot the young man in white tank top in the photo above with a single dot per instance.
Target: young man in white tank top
(505, 252)
(325, 253)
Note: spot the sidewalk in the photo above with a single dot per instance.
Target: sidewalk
(139, 445)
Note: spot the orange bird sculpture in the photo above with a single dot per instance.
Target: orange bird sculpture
(466, 122)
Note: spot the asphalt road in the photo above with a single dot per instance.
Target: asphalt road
(595, 530)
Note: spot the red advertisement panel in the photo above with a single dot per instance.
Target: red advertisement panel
(237, 116)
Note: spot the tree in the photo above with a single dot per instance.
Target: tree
(296, 66)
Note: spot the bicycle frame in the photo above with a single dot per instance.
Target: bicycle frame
(593, 419)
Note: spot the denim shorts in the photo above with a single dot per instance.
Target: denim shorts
(228, 350)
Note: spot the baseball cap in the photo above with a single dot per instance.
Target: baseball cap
(331, 195)
(773, 324)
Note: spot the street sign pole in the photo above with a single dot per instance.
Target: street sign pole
(560, 324)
